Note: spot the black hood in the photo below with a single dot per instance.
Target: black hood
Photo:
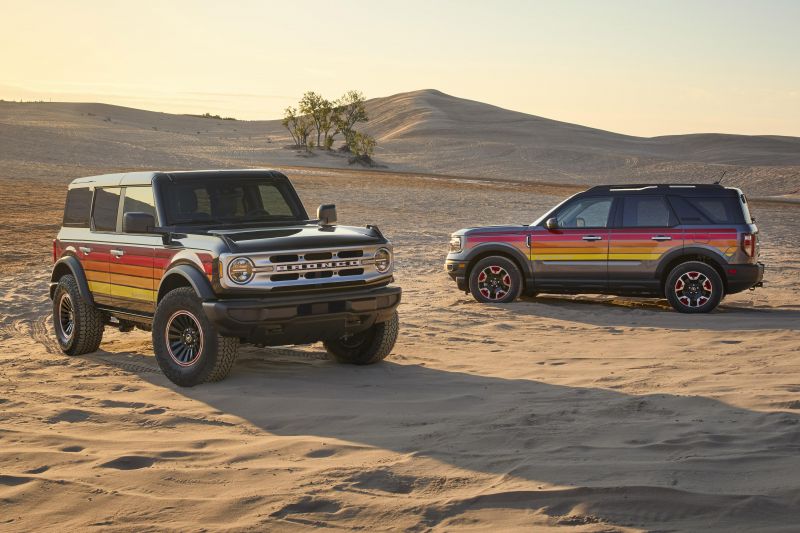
(300, 237)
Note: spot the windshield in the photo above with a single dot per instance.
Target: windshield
(541, 220)
(229, 200)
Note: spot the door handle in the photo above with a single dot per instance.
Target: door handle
(85, 250)
(117, 253)
(661, 238)
(592, 238)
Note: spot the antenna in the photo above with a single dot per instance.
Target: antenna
(720, 178)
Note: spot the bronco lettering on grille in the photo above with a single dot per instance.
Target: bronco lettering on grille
(318, 266)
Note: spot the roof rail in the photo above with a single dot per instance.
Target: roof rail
(633, 188)
(653, 186)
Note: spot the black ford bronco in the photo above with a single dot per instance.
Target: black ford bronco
(209, 259)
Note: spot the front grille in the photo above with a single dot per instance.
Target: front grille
(309, 268)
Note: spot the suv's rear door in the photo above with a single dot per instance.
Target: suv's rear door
(95, 251)
(132, 273)
(574, 256)
(646, 229)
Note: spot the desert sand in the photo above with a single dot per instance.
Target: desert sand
(585, 413)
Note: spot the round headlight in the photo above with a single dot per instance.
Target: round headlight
(241, 270)
(383, 260)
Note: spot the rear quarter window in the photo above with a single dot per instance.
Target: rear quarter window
(708, 209)
(78, 208)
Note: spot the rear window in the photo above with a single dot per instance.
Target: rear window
(647, 212)
(77, 208)
(106, 207)
(708, 210)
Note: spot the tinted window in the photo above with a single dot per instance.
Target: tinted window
(272, 201)
(78, 206)
(585, 213)
(647, 211)
(228, 200)
(708, 210)
(139, 200)
(106, 207)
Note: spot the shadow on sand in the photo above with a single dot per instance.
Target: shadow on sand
(645, 312)
(651, 461)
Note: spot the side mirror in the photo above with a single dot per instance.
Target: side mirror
(326, 213)
(138, 222)
(551, 223)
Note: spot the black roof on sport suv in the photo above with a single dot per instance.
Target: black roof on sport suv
(673, 188)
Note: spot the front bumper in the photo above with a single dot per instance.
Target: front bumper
(743, 277)
(282, 320)
(457, 270)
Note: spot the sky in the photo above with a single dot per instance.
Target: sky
(641, 67)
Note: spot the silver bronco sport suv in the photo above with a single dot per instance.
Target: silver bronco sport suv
(207, 260)
(690, 244)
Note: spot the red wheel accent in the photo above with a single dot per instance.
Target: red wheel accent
(494, 282)
(693, 289)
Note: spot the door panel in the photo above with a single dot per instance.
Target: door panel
(648, 231)
(570, 258)
(94, 257)
(95, 251)
(132, 275)
(574, 256)
(634, 255)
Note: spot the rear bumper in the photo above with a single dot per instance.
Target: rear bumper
(743, 277)
(302, 319)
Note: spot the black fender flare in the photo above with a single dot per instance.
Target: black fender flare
(197, 280)
(712, 254)
(502, 249)
(71, 262)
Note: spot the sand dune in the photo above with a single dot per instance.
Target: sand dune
(592, 414)
(420, 131)
(588, 413)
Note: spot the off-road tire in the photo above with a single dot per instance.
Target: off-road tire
(687, 302)
(509, 282)
(216, 354)
(88, 323)
(367, 347)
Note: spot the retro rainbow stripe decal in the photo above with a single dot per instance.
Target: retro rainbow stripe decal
(133, 276)
(628, 244)
(568, 245)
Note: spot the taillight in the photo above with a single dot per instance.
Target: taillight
(55, 251)
(749, 244)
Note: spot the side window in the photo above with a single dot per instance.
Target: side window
(77, 208)
(647, 212)
(708, 210)
(719, 210)
(106, 208)
(585, 213)
(139, 200)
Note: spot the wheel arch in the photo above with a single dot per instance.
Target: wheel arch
(70, 265)
(509, 252)
(185, 275)
(712, 258)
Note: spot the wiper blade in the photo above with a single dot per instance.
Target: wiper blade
(193, 221)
